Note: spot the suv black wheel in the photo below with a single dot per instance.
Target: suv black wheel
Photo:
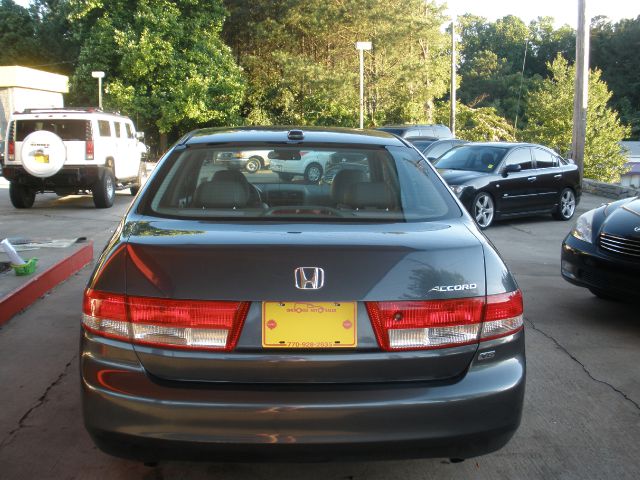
(21, 196)
(104, 190)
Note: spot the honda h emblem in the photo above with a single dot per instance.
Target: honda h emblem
(309, 278)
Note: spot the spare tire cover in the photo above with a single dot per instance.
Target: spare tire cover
(43, 153)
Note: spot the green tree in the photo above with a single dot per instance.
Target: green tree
(550, 111)
(493, 55)
(18, 44)
(302, 65)
(614, 50)
(476, 124)
(166, 65)
(55, 42)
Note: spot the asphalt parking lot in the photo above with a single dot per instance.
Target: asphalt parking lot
(582, 406)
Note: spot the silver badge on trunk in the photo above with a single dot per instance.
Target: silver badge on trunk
(309, 278)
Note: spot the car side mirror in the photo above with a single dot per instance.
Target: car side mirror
(511, 169)
(432, 159)
(140, 135)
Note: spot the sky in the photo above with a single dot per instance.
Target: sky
(563, 11)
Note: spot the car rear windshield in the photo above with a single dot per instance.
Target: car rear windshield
(478, 158)
(67, 130)
(353, 184)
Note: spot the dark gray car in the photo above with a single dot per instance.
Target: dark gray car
(233, 316)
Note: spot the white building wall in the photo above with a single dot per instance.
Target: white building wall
(22, 87)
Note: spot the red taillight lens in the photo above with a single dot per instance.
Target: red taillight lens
(503, 315)
(11, 147)
(89, 149)
(105, 314)
(421, 325)
(184, 324)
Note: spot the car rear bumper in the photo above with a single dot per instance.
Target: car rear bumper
(130, 414)
(584, 265)
(72, 176)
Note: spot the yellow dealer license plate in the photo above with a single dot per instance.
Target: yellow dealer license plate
(309, 325)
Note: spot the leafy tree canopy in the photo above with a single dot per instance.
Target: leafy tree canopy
(550, 111)
(302, 64)
(476, 124)
(17, 35)
(165, 63)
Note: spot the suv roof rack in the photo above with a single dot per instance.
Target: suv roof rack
(66, 109)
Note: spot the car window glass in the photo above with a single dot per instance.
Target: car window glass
(422, 144)
(359, 184)
(103, 128)
(478, 158)
(66, 129)
(436, 150)
(520, 156)
(118, 131)
(544, 159)
(129, 130)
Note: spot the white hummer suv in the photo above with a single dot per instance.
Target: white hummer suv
(71, 150)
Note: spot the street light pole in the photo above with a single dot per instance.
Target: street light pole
(362, 46)
(99, 75)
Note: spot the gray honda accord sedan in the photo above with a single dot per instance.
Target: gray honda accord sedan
(234, 315)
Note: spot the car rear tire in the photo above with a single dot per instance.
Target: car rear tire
(566, 205)
(104, 190)
(21, 196)
(313, 173)
(253, 165)
(483, 210)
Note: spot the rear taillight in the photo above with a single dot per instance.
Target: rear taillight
(183, 324)
(420, 325)
(89, 149)
(11, 150)
(503, 315)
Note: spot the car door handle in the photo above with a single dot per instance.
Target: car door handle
(558, 176)
(531, 179)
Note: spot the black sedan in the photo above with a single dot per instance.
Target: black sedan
(235, 316)
(602, 252)
(500, 180)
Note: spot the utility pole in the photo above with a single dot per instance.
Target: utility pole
(361, 47)
(452, 118)
(581, 94)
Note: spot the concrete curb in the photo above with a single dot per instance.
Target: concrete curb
(608, 190)
(42, 282)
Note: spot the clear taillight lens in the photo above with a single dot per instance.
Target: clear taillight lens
(503, 315)
(183, 324)
(422, 325)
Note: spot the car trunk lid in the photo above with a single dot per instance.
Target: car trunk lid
(257, 263)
